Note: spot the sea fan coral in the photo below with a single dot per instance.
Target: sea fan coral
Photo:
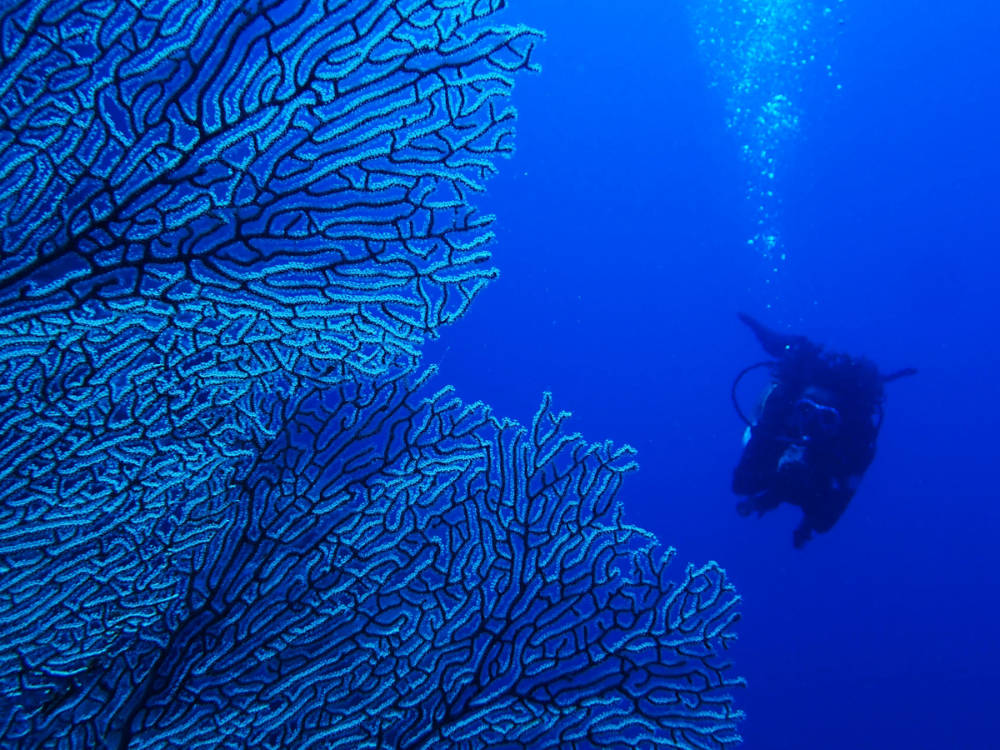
(230, 515)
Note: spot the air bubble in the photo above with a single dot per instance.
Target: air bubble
(760, 53)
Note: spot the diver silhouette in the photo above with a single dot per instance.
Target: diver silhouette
(815, 432)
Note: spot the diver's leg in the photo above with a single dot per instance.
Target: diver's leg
(774, 343)
(822, 501)
(802, 534)
(760, 503)
(826, 507)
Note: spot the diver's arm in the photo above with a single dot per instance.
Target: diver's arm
(905, 372)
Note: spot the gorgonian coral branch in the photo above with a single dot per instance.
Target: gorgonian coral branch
(228, 516)
(402, 569)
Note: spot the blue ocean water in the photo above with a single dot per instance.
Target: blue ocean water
(234, 513)
(622, 242)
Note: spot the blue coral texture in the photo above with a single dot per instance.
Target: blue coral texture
(236, 510)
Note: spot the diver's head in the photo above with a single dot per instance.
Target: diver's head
(814, 416)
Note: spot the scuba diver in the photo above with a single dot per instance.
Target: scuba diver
(814, 436)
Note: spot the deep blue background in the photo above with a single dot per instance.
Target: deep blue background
(622, 247)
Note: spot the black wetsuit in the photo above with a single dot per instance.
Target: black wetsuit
(816, 433)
